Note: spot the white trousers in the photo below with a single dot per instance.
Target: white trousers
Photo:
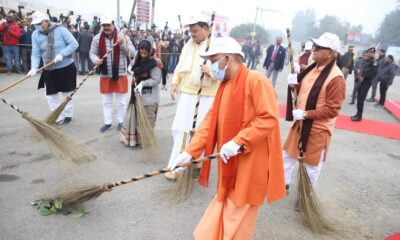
(183, 121)
(54, 100)
(313, 171)
(107, 107)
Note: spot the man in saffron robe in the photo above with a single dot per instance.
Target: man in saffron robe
(244, 114)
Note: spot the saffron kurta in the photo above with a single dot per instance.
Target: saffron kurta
(329, 103)
(259, 172)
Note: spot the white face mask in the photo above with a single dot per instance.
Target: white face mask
(219, 74)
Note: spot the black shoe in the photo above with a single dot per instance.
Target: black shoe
(356, 118)
(370, 100)
(287, 189)
(105, 128)
(119, 127)
(351, 103)
(81, 73)
(67, 120)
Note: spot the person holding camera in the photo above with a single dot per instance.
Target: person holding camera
(11, 35)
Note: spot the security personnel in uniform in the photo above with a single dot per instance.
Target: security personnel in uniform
(368, 73)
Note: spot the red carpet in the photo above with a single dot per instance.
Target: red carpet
(393, 107)
(366, 126)
(394, 237)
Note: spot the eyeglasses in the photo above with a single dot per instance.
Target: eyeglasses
(317, 48)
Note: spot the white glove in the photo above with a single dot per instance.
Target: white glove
(292, 78)
(58, 58)
(130, 68)
(32, 72)
(139, 88)
(298, 114)
(296, 67)
(184, 157)
(228, 150)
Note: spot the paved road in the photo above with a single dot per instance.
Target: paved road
(358, 188)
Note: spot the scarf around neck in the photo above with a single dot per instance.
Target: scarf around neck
(50, 54)
(311, 99)
(230, 128)
(115, 54)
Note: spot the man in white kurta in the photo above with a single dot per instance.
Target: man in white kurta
(186, 83)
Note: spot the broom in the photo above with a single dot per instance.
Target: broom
(53, 116)
(145, 130)
(24, 78)
(80, 194)
(63, 147)
(184, 184)
(310, 211)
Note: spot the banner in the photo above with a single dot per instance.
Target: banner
(143, 11)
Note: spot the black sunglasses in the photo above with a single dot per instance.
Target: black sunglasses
(317, 48)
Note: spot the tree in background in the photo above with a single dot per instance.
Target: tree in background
(389, 31)
(306, 25)
(303, 23)
(243, 31)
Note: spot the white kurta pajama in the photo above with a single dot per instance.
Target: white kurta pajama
(187, 76)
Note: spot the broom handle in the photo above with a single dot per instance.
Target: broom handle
(289, 38)
(294, 91)
(11, 105)
(26, 77)
(92, 71)
(165, 170)
(180, 24)
(196, 110)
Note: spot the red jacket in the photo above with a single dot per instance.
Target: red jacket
(12, 35)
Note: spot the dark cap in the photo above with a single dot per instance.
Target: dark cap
(371, 49)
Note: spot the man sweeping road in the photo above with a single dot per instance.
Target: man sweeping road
(187, 79)
(244, 113)
(113, 80)
(321, 92)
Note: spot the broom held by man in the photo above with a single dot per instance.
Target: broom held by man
(321, 92)
(244, 113)
(186, 83)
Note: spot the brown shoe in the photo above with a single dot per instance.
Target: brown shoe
(171, 176)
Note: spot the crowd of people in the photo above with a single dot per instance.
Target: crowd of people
(16, 40)
(227, 105)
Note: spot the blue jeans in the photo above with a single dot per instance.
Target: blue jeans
(172, 61)
(10, 53)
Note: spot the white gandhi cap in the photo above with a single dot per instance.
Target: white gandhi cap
(226, 45)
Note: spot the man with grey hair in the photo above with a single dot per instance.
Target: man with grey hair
(275, 60)
(320, 94)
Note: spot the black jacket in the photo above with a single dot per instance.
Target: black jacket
(386, 73)
(84, 39)
(369, 70)
(347, 60)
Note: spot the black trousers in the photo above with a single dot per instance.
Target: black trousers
(362, 95)
(383, 87)
(84, 57)
(164, 72)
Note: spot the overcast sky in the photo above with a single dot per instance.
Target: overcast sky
(368, 13)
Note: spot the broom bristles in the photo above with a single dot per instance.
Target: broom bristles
(310, 211)
(146, 135)
(79, 194)
(184, 184)
(64, 148)
(53, 116)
